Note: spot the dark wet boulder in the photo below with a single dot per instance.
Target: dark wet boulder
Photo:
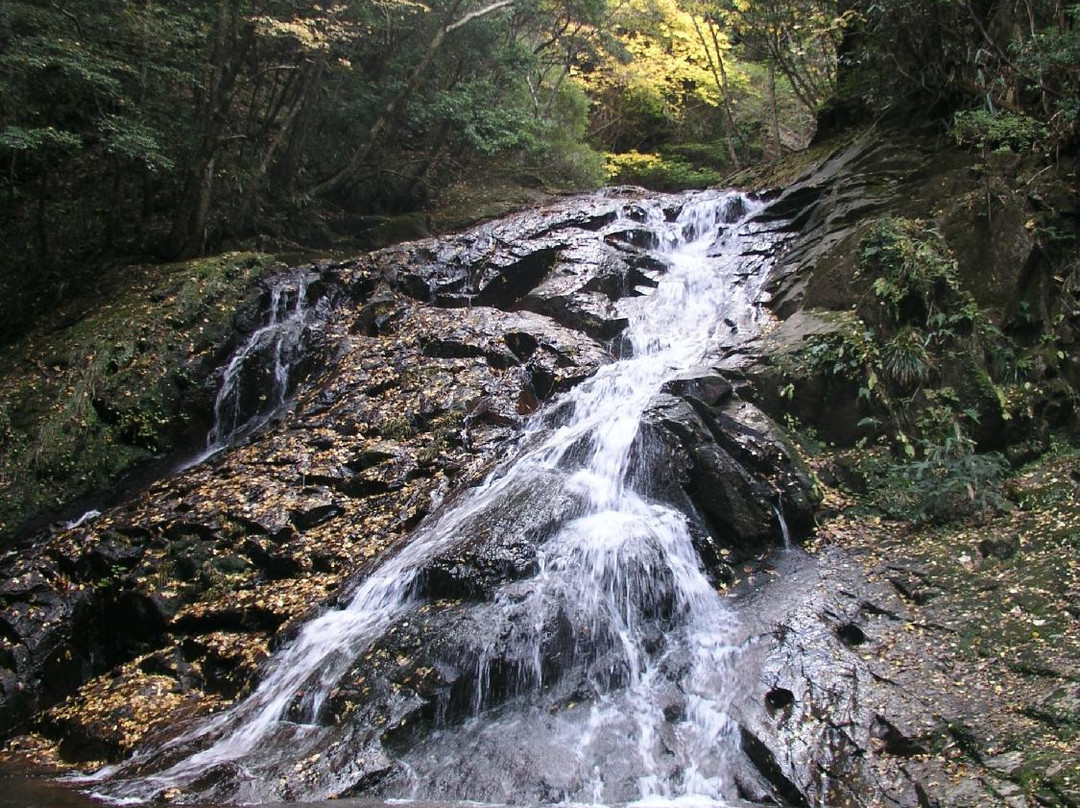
(705, 386)
(762, 370)
(731, 461)
(50, 639)
(499, 542)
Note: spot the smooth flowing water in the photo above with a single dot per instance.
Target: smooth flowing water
(647, 646)
(257, 380)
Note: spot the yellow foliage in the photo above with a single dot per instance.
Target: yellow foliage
(658, 58)
(332, 26)
(632, 160)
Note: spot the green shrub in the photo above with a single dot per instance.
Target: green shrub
(950, 482)
(709, 155)
(904, 358)
(574, 166)
(657, 172)
(911, 272)
(998, 130)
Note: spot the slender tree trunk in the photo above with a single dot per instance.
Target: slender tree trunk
(229, 44)
(774, 111)
(434, 155)
(112, 225)
(275, 160)
(719, 74)
(146, 209)
(348, 172)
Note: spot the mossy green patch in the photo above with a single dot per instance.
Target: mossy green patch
(792, 167)
(469, 201)
(999, 595)
(102, 385)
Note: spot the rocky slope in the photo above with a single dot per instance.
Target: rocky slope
(868, 685)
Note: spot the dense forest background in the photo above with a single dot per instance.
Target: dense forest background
(137, 129)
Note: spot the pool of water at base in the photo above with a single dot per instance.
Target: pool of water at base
(20, 789)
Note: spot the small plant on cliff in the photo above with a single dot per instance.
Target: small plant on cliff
(998, 130)
(911, 273)
(931, 338)
(923, 356)
(904, 358)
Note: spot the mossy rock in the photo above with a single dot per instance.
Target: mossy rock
(111, 381)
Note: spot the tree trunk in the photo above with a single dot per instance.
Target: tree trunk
(279, 164)
(774, 112)
(433, 156)
(719, 74)
(346, 174)
(229, 44)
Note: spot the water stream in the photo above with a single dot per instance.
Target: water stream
(605, 677)
(257, 380)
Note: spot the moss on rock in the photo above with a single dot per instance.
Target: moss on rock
(115, 379)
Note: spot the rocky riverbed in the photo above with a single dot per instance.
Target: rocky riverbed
(886, 665)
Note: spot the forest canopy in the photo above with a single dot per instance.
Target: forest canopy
(138, 128)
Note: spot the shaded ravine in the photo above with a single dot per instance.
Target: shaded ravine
(615, 606)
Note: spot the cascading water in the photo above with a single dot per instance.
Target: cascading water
(615, 661)
(256, 381)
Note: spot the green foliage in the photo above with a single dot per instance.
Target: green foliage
(904, 358)
(705, 155)
(483, 120)
(21, 139)
(800, 38)
(911, 272)
(135, 128)
(923, 355)
(950, 481)
(1048, 67)
(559, 153)
(134, 141)
(1007, 74)
(658, 172)
(989, 131)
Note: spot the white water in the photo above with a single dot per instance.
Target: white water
(651, 637)
(780, 520)
(88, 516)
(278, 344)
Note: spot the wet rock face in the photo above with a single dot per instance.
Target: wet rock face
(501, 541)
(822, 722)
(733, 464)
(543, 261)
(431, 357)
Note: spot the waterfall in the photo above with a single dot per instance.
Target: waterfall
(256, 381)
(780, 520)
(647, 649)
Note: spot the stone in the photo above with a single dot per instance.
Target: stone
(1000, 547)
(1007, 764)
(732, 463)
(501, 541)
